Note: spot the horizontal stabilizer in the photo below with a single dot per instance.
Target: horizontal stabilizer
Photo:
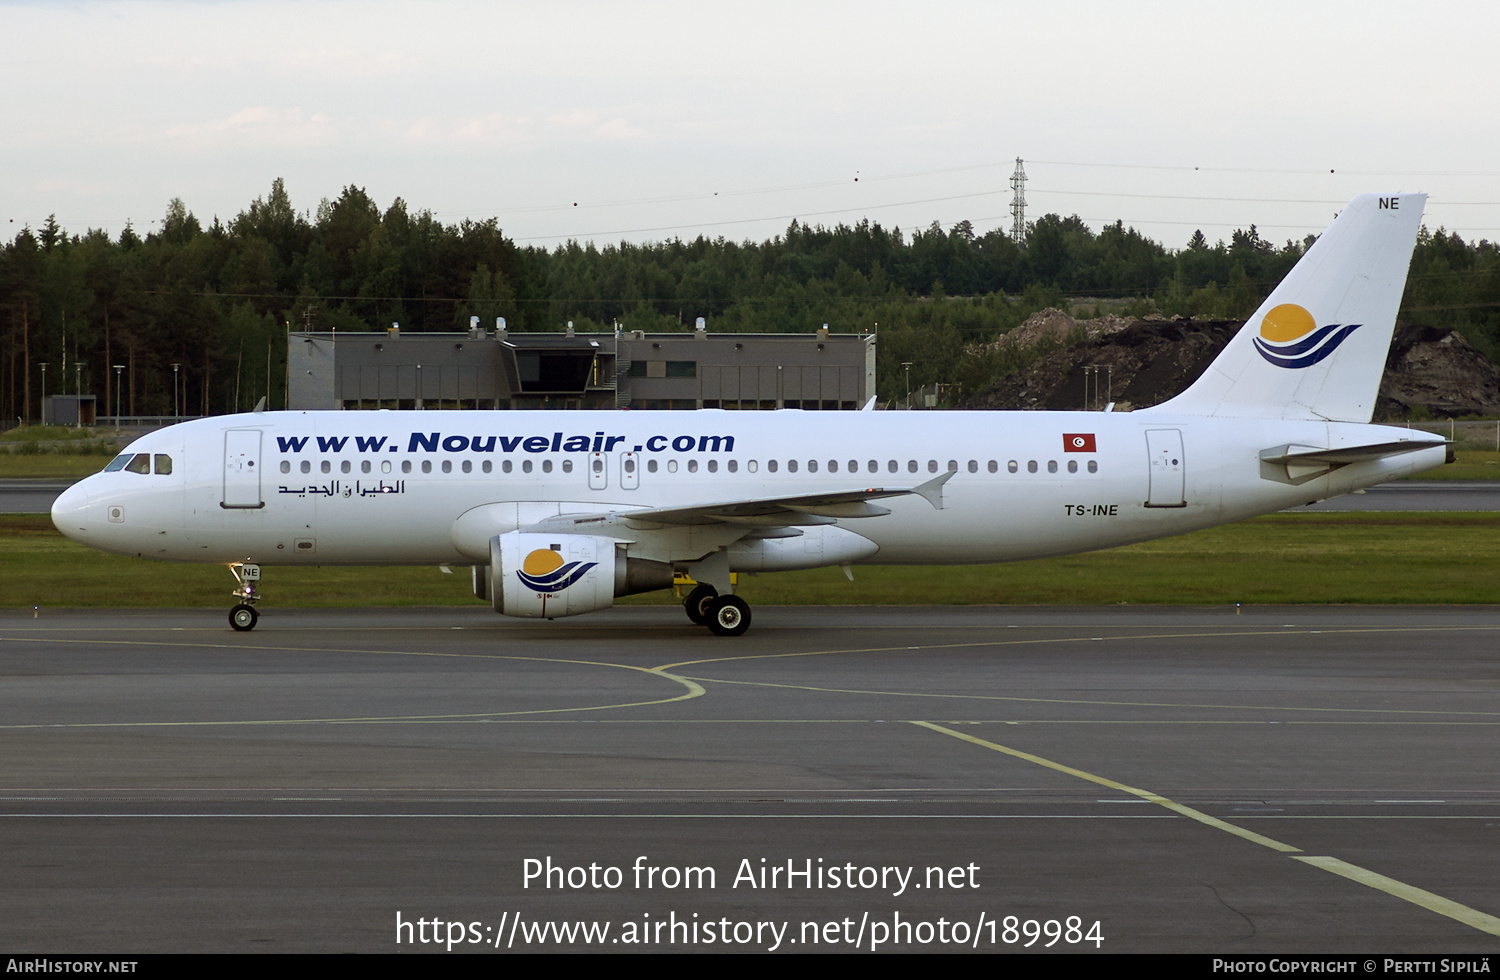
(1343, 454)
(1296, 464)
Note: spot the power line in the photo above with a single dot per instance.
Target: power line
(1255, 170)
(746, 221)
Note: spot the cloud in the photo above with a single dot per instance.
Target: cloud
(587, 122)
(256, 126)
(514, 131)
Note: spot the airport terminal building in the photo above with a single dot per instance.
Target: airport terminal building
(631, 369)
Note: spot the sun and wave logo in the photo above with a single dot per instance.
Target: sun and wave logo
(545, 571)
(1291, 338)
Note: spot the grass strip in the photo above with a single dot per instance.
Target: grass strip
(1387, 558)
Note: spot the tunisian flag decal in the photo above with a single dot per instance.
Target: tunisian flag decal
(1079, 442)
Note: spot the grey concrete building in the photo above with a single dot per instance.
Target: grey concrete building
(502, 370)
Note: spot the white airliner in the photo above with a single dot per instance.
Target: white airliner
(559, 513)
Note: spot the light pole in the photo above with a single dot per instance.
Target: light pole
(44, 392)
(907, 366)
(176, 405)
(118, 368)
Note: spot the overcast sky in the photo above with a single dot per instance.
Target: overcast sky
(649, 120)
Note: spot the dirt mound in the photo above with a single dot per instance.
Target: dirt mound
(1136, 363)
(1440, 371)
(1054, 326)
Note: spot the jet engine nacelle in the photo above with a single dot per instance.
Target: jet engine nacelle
(544, 575)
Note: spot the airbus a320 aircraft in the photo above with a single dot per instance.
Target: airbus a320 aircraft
(558, 513)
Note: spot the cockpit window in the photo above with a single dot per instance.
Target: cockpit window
(163, 464)
(118, 463)
(139, 463)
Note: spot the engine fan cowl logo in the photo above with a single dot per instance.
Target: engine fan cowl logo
(545, 571)
(1291, 338)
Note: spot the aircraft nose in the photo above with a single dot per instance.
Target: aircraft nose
(70, 511)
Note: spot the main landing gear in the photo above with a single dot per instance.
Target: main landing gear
(724, 615)
(697, 602)
(244, 616)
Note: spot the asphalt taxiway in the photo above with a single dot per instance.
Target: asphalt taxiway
(1308, 779)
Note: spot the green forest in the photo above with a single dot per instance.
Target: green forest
(192, 318)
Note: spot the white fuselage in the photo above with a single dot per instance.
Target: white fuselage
(317, 488)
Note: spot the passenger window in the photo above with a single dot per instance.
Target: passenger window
(1093, 466)
(671, 466)
(1072, 466)
(994, 466)
(468, 466)
(713, 465)
(546, 466)
(406, 466)
(874, 466)
(306, 466)
(911, 466)
(650, 466)
(953, 466)
(364, 466)
(734, 466)
(345, 466)
(629, 466)
(385, 466)
(791, 466)
(506, 466)
(426, 466)
(286, 466)
(892, 466)
(447, 466)
(164, 465)
(1031, 466)
(812, 466)
(567, 466)
(486, 466)
(1012, 466)
(771, 466)
(525, 466)
(752, 466)
(326, 466)
(973, 466)
(692, 466)
(1051, 466)
(932, 466)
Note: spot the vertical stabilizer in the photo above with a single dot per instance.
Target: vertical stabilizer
(1317, 347)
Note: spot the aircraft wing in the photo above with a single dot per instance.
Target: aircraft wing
(811, 508)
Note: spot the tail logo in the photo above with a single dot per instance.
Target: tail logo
(544, 571)
(1291, 338)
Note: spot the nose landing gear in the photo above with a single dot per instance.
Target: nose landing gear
(244, 616)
